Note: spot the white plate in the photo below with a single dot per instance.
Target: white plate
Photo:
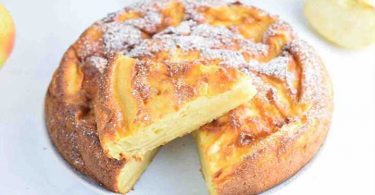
(45, 29)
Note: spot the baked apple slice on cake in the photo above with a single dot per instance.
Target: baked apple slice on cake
(260, 97)
(267, 140)
(147, 102)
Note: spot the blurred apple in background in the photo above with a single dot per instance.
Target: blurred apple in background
(7, 34)
(369, 2)
(347, 23)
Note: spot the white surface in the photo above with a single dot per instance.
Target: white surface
(45, 29)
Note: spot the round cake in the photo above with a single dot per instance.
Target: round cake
(179, 51)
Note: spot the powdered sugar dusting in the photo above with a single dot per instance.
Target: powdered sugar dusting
(228, 58)
(254, 49)
(313, 83)
(277, 67)
(123, 36)
(212, 42)
(120, 36)
(98, 62)
(87, 47)
(192, 7)
(183, 28)
(149, 23)
(183, 91)
(140, 38)
(262, 87)
(140, 83)
(280, 27)
(145, 6)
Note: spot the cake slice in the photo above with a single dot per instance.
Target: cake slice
(145, 103)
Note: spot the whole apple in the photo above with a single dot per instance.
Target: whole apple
(7, 34)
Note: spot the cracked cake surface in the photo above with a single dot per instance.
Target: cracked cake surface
(172, 52)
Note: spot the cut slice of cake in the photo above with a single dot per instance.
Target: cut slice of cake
(146, 103)
(131, 171)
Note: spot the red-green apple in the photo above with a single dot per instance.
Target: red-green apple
(7, 34)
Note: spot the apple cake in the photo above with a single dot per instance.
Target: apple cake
(258, 97)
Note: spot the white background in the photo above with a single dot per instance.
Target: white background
(45, 29)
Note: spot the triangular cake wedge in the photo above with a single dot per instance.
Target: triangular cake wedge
(145, 103)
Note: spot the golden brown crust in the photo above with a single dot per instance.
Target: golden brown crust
(72, 129)
(267, 140)
(280, 156)
(274, 151)
(171, 66)
(69, 114)
(274, 162)
(79, 144)
(68, 105)
(270, 157)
